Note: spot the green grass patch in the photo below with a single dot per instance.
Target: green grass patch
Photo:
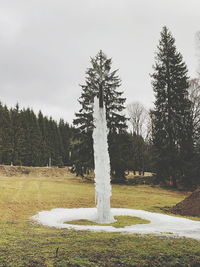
(121, 221)
(24, 243)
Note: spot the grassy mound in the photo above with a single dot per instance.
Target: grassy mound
(30, 172)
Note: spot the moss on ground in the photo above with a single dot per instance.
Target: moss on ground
(121, 221)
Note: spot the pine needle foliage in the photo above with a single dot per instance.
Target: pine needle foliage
(100, 76)
(172, 120)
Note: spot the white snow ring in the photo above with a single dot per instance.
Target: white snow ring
(159, 223)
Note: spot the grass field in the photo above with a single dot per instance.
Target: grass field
(24, 243)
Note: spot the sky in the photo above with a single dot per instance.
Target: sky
(46, 46)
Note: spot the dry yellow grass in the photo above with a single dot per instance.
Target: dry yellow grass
(24, 243)
(22, 197)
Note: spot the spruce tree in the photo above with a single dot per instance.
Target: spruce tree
(172, 122)
(99, 75)
(65, 135)
(5, 135)
(33, 138)
(42, 122)
(26, 139)
(54, 142)
(17, 137)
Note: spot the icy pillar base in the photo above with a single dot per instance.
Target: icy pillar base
(103, 210)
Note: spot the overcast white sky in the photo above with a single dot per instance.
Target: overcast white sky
(46, 45)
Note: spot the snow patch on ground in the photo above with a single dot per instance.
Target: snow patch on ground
(160, 224)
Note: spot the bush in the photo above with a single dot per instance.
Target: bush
(150, 180)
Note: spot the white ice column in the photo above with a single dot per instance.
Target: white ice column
(102, 165)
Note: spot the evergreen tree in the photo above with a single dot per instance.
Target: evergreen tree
(138, 150)
(54, 142)
(65, 135)
(172, 122)
(44, 151)
(26, 139)
(5, 135)
(17, 136)
(120, 153)
(99, 75)
(33, 138)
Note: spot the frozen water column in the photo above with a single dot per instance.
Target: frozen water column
(102, 163)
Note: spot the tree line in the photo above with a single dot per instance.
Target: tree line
(169, 147)
(33, 140)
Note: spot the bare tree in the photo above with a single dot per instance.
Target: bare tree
(138, 118)
(197, 43)
(149, 127)
(194, 96)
